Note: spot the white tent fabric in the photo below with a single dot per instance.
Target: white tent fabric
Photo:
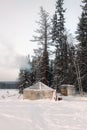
(39, 86)
(38, 91)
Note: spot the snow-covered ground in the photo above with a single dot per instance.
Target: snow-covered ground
(18, 114)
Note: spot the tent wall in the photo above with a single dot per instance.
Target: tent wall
(64, 91)
(67, 90)
(37, 94)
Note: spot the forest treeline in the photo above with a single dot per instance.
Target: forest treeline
(59, 59)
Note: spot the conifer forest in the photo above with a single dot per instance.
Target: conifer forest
(59, 58)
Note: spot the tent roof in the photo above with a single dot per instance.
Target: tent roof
(66, 86)
(39, 86)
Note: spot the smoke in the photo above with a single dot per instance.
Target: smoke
(23, 63)
(7, 53)
(10, 61)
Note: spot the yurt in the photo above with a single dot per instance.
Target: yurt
(38, 91)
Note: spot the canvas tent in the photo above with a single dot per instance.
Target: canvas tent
(38, 91)
(67, 89)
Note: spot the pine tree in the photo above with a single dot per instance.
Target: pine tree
(59, 38)
(54, 28)
(26, 77)
(82, 46)
(71, 78)
(51, 64)
(43, 38)
(24, 80)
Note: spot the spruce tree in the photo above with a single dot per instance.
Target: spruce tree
(26, 77)
(82, 46)
(37, 64)
(60, 42)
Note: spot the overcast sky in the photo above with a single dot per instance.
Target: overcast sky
(17, 25)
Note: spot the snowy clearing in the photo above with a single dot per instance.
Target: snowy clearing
(18, 114)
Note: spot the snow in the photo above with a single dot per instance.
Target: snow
(18, 114)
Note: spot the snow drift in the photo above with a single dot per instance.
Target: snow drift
(18, 114)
